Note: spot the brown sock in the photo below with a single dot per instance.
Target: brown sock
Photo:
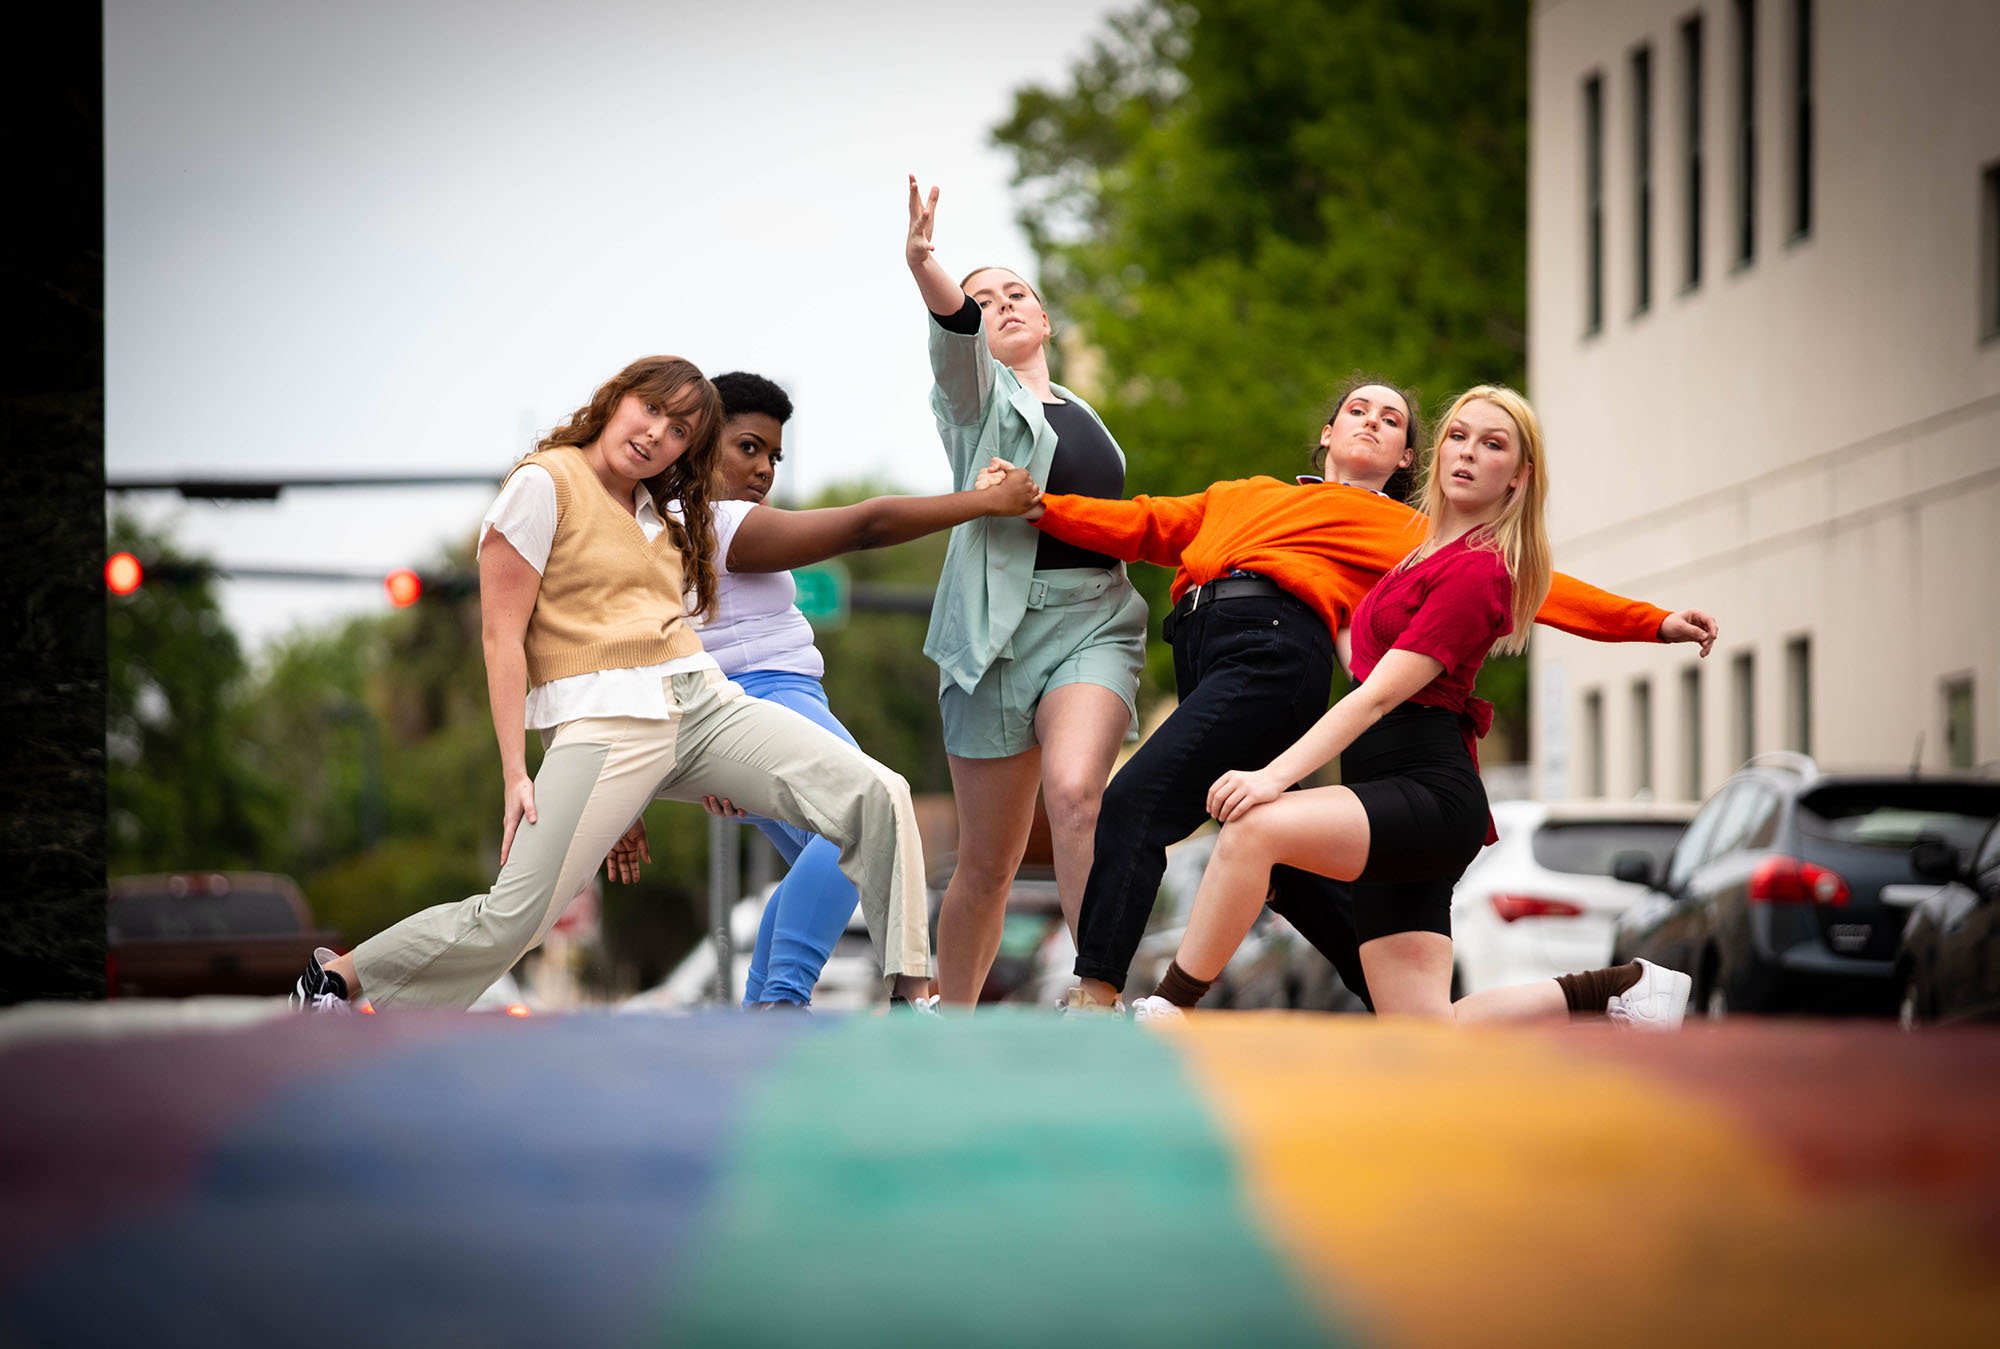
(1180, 988)
(1589, 993)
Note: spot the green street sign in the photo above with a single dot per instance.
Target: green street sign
(823, 593)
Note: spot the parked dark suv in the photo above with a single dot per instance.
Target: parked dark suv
(1791, 887)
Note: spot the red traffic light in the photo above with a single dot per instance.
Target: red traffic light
(405, 587)
(122, 574)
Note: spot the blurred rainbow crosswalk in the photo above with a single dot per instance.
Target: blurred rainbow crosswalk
(1008, 1180)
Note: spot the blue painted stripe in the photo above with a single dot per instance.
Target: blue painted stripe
(520, 1183)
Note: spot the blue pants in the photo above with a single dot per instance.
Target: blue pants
(810, 908)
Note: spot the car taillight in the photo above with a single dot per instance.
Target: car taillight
(1787, 880)
(517, 1009)
(1511, 907)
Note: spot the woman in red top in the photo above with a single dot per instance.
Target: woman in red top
(1411, 812)
(1266, 573)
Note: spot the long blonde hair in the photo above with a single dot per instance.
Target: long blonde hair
(1521, 534)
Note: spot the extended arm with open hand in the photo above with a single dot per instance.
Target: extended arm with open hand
(770, 539)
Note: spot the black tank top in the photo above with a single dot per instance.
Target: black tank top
(1086, 464)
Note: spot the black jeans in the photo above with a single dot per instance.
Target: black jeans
(1254, 674)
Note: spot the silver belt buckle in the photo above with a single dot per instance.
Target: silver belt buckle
(1038, 593)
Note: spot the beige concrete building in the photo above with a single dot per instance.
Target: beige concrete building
(1764, 300)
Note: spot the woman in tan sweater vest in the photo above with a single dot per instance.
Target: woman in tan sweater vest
(582, 579)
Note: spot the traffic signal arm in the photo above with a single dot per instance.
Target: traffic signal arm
(770, 539)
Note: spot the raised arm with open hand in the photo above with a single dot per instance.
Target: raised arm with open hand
(941, 294)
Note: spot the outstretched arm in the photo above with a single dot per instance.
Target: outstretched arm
(1395, 677)
(1577, 607)
(770, 539)
(1144, 529)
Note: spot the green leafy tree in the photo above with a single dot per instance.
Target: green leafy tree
(182, 789)
(1238, 202)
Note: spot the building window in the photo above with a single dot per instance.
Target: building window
(1593, 204)
(1958, 728)
(1798, 694)
(1691, 82)
(1593, 743)
(1989, 248)
(1691, 733)
(1743, 676)
(1802, 118)
(1746, 132)
(1642, 179)
(1642, 737)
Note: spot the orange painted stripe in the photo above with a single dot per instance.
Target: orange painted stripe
(1438, 1185)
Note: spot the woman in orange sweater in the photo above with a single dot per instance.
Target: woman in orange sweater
(1267, 573)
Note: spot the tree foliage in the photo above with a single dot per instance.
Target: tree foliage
(1236, 203)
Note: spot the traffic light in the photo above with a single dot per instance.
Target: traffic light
(405, 587)
(123, 574)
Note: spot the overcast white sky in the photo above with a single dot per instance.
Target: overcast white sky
(406, 236)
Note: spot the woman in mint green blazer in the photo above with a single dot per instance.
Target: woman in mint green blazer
(1039, 644)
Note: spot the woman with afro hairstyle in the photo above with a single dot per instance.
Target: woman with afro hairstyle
(756, 633)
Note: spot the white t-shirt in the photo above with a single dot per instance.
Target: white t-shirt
(525, 515)
(754, 623)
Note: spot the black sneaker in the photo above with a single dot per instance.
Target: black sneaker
(320, 989)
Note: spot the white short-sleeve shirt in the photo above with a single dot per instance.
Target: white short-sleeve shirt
(754, 623)
(525, 515)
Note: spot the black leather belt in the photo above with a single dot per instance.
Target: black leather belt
(1228, 588)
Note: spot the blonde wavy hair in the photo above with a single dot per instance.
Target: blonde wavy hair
(1521, 534)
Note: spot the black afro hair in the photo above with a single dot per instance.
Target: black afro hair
(744, 392)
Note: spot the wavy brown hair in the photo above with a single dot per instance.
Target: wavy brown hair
(679, 389)
(1400, 482)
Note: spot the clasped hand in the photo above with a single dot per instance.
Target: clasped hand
(1239, 791)
(1019, 494)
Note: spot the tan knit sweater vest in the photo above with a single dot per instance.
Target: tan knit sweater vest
(610, 600)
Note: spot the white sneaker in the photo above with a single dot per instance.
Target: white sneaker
(1077, 1005)
(1153, 1007)
(1657, 1002)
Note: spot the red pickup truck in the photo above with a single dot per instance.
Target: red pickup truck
(200, 932)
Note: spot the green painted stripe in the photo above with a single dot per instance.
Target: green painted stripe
(1014, 1179)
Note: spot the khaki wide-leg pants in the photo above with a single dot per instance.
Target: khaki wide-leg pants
(597, 776)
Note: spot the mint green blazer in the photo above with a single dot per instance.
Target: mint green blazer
(983, 411)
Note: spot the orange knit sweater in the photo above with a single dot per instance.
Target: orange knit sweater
(1325, 543)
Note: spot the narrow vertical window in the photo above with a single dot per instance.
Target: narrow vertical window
(1593, 204)
(1958, 728)
(1593, 743)
(1802, 118)
(1691, 93)
(1746, 132)
(1743, 675)
(1989, 252)
(1642, 179)
(1642, 737)
(1691, 733)
(1798, 694)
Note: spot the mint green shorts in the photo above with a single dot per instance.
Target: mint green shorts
(1083, 626)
